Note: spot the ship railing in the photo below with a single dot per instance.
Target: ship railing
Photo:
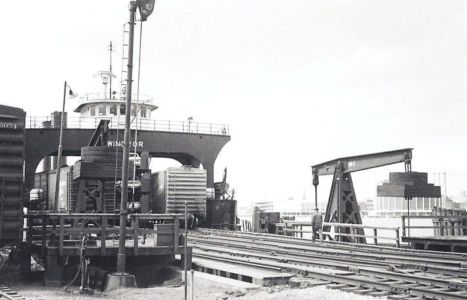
(441, 225)
(90, 97)
(116, 122)
(336, 230)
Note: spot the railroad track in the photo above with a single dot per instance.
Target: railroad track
(363, 269)
(453, 263)
(9, 294)
(332, 244)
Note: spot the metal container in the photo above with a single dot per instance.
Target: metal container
(12, 121)
(174, 186)
(219, 190)
(221, 214)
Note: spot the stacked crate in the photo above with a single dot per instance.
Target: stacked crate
(96, 171)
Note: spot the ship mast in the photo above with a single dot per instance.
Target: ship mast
(110, 68)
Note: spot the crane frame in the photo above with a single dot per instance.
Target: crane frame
(342, 205)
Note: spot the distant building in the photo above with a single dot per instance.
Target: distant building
(370, 204)
(366, 207)
(264, 206)
(244, 211)
(451, 204)
(461, 198)
(391, 196)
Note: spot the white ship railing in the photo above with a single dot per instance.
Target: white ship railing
(141, 124)
(91, 97)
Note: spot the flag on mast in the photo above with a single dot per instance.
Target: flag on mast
(71, 94)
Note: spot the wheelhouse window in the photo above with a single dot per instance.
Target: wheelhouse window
(113, 109)
(93, 110)
(143, 112)
(102, 110)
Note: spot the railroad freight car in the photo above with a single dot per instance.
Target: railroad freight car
(45, 182)
(174, 186)
(12, 126)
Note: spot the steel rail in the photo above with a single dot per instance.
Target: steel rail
(291, 254)
(278, 254)
(397, 284)
(341, 245)
(334, 261)
(322, 249)
(282, 258)
(350, 266)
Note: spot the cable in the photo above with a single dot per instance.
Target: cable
(137, 110)
(2, 261)
(81, 257)
(116, 160)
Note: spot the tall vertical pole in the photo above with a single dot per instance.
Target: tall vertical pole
(126, 145)
(138, 108)
(186, 251)
(59, 156)
(315, 184)
(110, 69)
(445, 183)
(192, 284)
(339, 219)
(408, 199)
(316, 196)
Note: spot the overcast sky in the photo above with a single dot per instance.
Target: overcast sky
(299, 82)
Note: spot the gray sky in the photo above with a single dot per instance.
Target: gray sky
(299, 82)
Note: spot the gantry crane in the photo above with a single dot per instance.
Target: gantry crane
(342, 206)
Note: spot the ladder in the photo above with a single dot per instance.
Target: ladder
(124, 69)
(123, 89)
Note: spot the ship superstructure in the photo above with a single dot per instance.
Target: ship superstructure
(98, 105)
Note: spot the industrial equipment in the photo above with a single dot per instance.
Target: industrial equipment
(174, 187)
(221, 212)
(342, 205)
(12, 122)
(221, 189)
(97, 177)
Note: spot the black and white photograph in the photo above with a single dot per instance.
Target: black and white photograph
(233, 149)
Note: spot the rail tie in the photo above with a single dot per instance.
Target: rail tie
(9, 294)
(351, 268)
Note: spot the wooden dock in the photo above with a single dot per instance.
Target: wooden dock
(59, 236)
(438, 243)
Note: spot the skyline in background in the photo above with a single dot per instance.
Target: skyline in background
(299, 82)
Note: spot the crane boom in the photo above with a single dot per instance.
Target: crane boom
(364, 162)
(342, 205)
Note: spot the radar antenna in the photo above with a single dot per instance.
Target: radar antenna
(106, 77)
